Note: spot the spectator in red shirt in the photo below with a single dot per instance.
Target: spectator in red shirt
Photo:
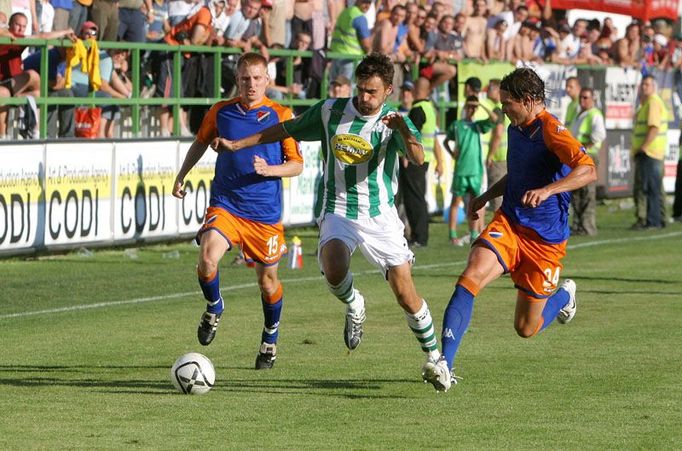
(14, 80)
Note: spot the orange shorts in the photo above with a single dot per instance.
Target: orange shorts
(534, 265)
(262, 243)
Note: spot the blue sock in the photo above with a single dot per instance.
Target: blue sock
(211, 289)
(455, 322)
(556, 302)
(271, 315)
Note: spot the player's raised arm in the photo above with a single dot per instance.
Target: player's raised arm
(414, 151)
(269, 135)
(196, 151)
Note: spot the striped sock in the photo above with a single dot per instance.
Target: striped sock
(345, 293)
(421, 324)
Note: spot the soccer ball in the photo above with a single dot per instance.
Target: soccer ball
(193, 374)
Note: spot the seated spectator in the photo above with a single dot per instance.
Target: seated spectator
(81, 83)
(416, 15)
(385, 37)
(340, 87)
(521, 46)
(660, 57)
(496, 44)
(301, 70)
(220, 23)
(628, 50)
(245, 27)
(442, 48)
(60, 118)
(475, 31)
(14, 80)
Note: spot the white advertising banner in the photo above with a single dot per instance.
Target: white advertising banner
(143, 184)
(620, 97)
(22, 206)
(300, 192)
(78, 193)
(192, 207)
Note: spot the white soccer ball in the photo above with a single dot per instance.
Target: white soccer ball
(193, 374)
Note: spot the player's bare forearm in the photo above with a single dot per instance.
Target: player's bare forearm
(414, 151)
(194, 154)
(479, 202)
(580, 176)
(270, 135)
(286, 169)
(494, 191)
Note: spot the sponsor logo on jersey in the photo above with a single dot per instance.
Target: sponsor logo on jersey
(495, 234)
(262, 115)
(351, 149)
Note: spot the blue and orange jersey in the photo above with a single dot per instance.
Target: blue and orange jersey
(236, 187)
(539, 153)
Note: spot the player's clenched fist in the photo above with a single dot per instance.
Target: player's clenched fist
(177, 189)
(222, 144)
(261, 166)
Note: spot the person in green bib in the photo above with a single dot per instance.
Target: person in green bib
(649, 144)
(467, 153)
(362, 140)
(588, 128)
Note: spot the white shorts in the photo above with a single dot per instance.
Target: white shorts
(380, 239)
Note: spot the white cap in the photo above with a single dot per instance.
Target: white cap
(661, 40)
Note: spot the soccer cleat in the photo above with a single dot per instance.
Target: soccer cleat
(207, 327)
(567, 313)
(266, 356)
(352, 332)
(438, 374)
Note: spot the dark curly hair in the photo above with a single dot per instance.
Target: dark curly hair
(523, 83)
(375, 64)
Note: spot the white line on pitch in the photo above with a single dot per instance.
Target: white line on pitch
(288, 281)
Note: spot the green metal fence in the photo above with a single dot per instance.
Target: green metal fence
(176, 100)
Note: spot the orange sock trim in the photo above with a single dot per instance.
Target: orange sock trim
(469, 285)
(274, 297)
(207, 278)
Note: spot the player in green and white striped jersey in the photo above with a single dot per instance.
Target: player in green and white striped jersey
(362, 139)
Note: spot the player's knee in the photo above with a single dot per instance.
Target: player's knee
(268, 286)
(207, 265)
(526, 330)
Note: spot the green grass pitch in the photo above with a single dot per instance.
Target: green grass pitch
(87, 343)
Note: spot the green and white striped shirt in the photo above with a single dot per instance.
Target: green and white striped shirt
(360, 155)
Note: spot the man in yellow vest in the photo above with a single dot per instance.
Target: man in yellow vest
(649, 144)
(412, 181)
(572, 90)
(588, 128)
(352, 37)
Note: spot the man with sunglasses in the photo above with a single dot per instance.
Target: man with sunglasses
(588, 128)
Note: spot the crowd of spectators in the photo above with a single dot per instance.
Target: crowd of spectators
(430, 34)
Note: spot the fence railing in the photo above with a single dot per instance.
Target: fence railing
(176, 99)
